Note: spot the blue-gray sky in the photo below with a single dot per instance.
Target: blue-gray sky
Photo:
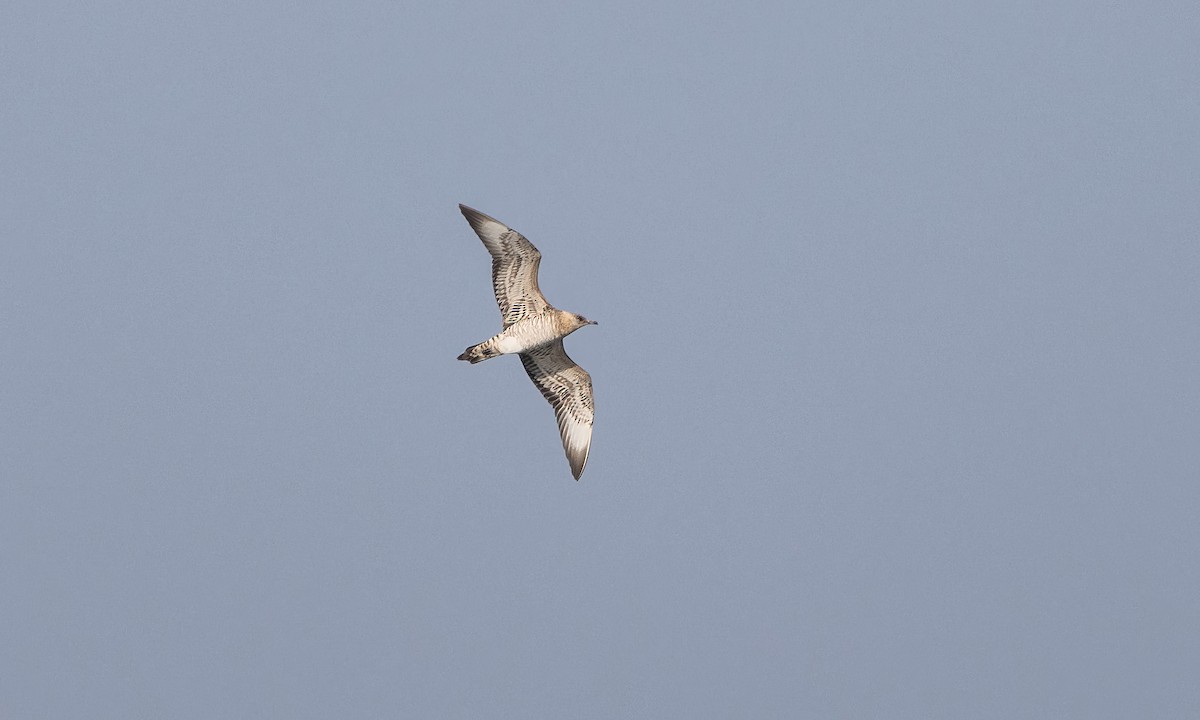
(898, 398)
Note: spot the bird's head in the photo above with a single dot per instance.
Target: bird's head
(577, 321)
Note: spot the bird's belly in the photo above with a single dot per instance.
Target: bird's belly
(525, 335)
(510, 345)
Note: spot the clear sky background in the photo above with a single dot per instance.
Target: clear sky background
(897, 377)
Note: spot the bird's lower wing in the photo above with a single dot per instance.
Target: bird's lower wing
(568, 388)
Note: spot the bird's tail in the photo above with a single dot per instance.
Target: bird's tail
(480, 352)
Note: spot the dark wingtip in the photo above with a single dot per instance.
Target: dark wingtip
(475, 217)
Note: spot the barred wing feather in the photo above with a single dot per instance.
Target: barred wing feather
(514, 267)
(568, 387)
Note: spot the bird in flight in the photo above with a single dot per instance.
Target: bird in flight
(534, 329)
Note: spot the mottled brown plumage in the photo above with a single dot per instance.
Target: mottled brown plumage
(534, 329)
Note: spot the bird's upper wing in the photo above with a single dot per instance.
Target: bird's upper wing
(568, 387)
(514, 267)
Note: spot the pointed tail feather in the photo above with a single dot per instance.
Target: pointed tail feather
(478, 353)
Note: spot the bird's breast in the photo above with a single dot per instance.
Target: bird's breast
(528, 334)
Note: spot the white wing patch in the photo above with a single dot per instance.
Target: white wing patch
(568, 388)
(514, 267)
